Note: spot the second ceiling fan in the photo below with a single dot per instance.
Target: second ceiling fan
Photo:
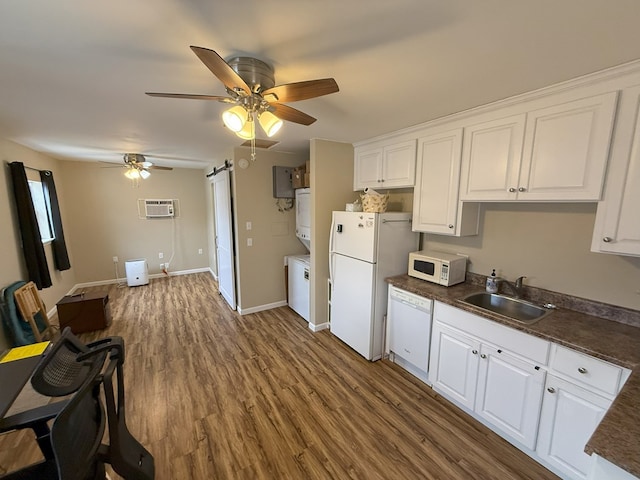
(251, 87)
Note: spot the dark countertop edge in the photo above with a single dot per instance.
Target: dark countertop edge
(616, 437)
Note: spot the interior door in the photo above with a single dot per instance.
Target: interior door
(224, 237)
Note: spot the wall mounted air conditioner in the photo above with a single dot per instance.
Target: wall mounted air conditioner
(158, 208)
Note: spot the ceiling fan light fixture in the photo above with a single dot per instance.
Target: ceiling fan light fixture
(248, 132)
(235, 118)
(132, 173)
(144, 174)
(269, 123)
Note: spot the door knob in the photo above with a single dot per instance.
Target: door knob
(482, 355)
(522, 189)
(606, 239)
(551, 390)
(512, 189)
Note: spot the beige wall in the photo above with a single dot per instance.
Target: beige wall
(549, 243)
(12, 265)
(103, 220)
(331, 189)
(260, 268)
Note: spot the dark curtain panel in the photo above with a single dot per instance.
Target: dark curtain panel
(60, 255)
(32, 248)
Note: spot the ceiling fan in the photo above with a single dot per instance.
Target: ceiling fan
(138, 166)
(251, 87)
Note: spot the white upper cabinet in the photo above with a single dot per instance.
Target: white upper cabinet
(389, 165)
(436, 206)
(491, 159)
(555, 153)
(617, 226)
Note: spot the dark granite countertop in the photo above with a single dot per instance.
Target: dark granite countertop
(584, 326)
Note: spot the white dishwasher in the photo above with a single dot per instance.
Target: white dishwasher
(409, 331)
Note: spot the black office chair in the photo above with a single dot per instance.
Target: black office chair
(66, 369)
(71, 447)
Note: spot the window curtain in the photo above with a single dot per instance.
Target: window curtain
(60, 255)
(32, 248)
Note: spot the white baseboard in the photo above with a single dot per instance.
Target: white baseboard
(124, 280)
(319, 326)
(260, 308)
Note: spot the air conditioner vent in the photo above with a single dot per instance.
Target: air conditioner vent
(158, 208)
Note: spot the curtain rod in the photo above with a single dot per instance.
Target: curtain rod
(46, 172)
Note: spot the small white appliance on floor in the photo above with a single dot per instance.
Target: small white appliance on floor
(137, 272)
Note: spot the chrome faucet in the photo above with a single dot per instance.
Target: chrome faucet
(516, 287)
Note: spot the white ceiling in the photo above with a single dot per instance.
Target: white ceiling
(73, 72)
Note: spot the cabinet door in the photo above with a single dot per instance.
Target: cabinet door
(399, 165)
(566, 150)
(491, 159)
(617, 227)
(367, 168)
(569, 416)
(435, 196)
(510, 394)
(453, 367)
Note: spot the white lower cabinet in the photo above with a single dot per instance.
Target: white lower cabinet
(500, 387)
(454, 365)
(569, 416)
(509, 394)
(544, 398)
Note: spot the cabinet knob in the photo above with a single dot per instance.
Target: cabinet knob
(606, 239)
(551, 390)
(482, 355)
(475, 352)
(450, 225)
(582, 370)
(522, 189)
(512, 189)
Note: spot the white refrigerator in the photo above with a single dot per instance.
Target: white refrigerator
(364, 249)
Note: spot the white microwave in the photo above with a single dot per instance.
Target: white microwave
(438, 267)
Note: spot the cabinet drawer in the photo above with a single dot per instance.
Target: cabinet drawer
(586, 370)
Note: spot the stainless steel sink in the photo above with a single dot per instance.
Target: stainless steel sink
(513, 308)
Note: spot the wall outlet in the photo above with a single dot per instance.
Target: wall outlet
(249, 242)
(199, 251)
(162, 266)
(115, 259)
(160, 255)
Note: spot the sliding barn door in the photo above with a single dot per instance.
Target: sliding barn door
(224, 237)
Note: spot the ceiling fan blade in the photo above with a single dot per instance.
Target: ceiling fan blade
(293, 92)
(157, 167)
(285, 112)
(221, 69)
(112, 164)
(192, 97)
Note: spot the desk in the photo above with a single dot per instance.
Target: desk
(13, 376)
(85, 312)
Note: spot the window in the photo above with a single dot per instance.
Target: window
(41, 207)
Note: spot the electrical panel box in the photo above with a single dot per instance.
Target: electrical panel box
(282, 185)
(158, 208)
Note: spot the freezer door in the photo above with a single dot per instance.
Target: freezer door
(352, 294)
(354, 235)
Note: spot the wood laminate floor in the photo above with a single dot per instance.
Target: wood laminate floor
(216, 395)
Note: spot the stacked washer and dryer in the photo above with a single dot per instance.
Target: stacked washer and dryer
(299, 265)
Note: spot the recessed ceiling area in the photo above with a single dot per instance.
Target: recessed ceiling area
(73, 74)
